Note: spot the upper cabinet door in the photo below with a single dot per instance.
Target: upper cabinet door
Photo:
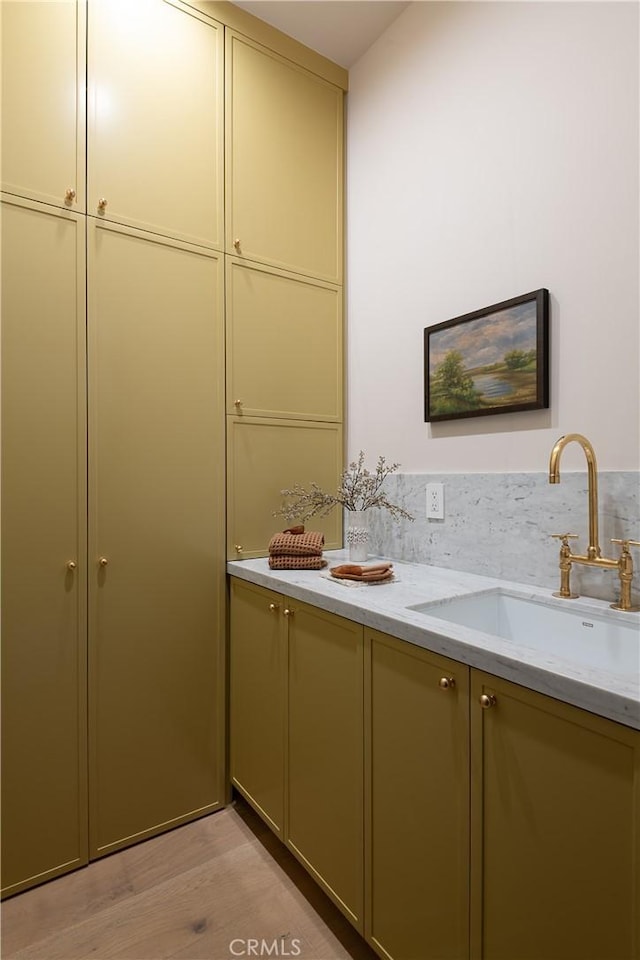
(284, 344)
(155, 130)
(43, 101)
(284, 163)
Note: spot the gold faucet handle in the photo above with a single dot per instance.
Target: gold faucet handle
(565, 537)
(625, 544)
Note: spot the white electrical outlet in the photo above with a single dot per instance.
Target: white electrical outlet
(435, 501)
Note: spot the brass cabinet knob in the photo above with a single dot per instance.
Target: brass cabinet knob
(103, 561)
(237, 403)
(446, 683)
(236, 244)
(70, 195)
(487, 700)
(274, 607)
(102, 203)
(71, 565)
(287, 612)
(237, 548)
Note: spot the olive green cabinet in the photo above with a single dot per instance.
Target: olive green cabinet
(265, 456)
(417, 721)
(44, 656)
(555, 829)
(257, 699)
(284, 344)
(155, 118)
(131, 684)
(43, 101)
(498, 822)
(520, 841)
(283, 239)
(284, 149)
(156, 521)
(324, 783)
(296, 732)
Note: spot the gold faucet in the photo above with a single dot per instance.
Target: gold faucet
(593, 556)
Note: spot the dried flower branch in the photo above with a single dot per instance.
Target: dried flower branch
(359, 489)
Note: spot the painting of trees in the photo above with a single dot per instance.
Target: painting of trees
(490, 361)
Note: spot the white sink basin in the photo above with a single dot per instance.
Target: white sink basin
(555, 627)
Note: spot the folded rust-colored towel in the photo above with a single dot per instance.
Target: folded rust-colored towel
(296, 563)
(296, 544)
(370, 574)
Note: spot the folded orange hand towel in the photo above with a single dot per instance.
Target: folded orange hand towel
(355, 569)
(296, 544)
(296, 563)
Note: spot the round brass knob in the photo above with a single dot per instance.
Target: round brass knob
(287, 612)
(102, 203)
(238, 548)
(487, 700)
(236, 244)
(71, 565)
(237, 403)
(70, 195)
(446, 683)
(273, 607)
(103, 561)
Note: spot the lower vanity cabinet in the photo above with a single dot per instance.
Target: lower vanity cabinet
(296, 732)
(418, 803)
(499, 823)
(325, 753)
(257, 699)
(555, 829)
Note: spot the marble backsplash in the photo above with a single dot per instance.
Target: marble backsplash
(499, 525)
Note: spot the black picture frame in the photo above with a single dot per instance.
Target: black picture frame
(490, 361)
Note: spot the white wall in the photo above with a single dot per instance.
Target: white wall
(493, 150)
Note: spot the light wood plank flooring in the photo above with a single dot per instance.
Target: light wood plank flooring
(187, 895)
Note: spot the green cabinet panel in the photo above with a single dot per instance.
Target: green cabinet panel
(284, 165)
(156, 520)
(44, 787)
(257, 699)
(325, 752)
(296, 732)
(43, 100)
(284, 344)
(266, 456)
(418, 803)
(555, 852)
(155, 119)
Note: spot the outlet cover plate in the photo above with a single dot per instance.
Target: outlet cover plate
(435, 501)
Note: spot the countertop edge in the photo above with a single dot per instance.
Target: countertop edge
(602, 693)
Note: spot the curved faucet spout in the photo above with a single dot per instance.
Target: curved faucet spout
(593, 550)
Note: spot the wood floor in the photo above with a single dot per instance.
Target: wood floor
(195, 893)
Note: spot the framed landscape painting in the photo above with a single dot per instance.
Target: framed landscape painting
(494, 360)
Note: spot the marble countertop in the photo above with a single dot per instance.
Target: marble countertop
(385, 606)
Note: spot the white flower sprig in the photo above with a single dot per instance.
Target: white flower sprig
(359, 489)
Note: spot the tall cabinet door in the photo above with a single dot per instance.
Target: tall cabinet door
(155, 118)
(156, 540)
(43, 544)
(43, 100)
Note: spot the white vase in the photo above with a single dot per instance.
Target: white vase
(358, 535)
